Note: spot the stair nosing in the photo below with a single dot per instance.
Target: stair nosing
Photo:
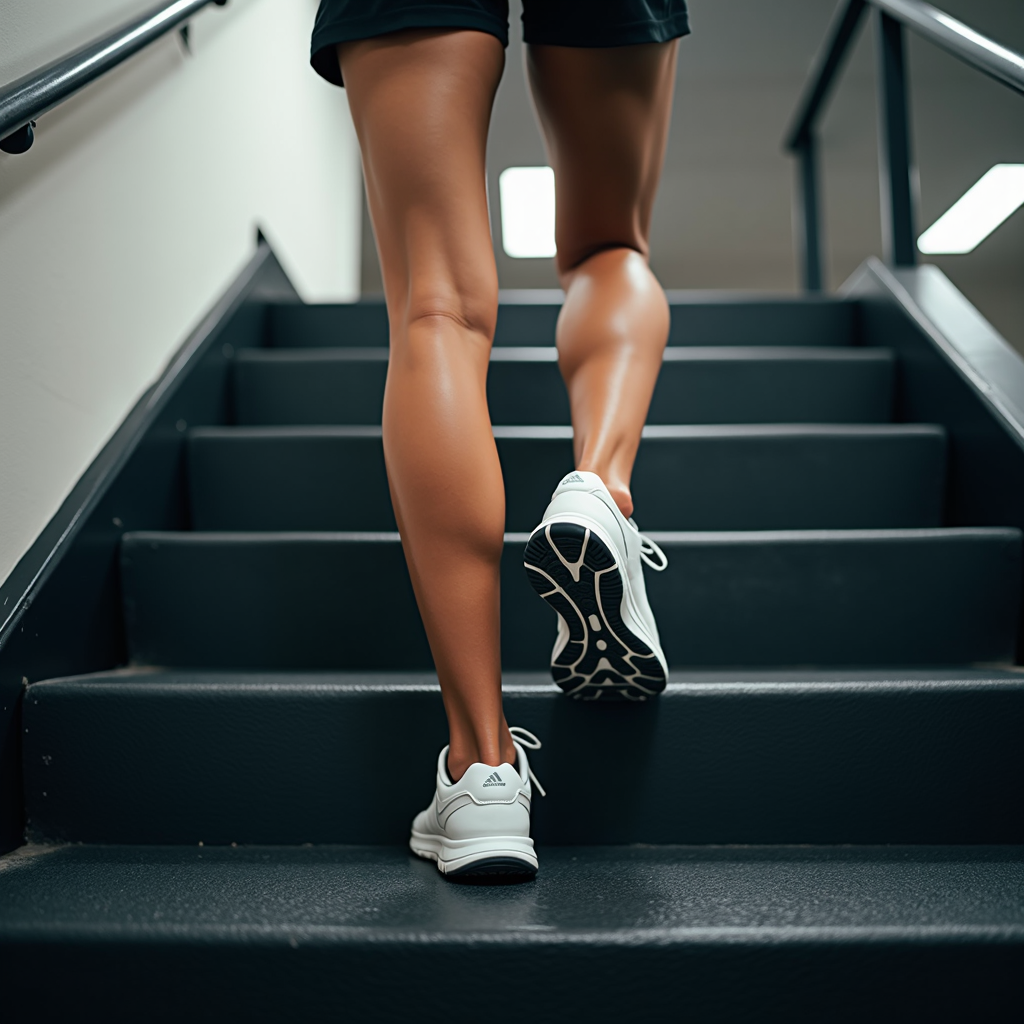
(553, 432)
(662, 537)
(161, 681)
(627, 936)
(549, 354)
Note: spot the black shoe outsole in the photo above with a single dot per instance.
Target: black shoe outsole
(625, 667)
(504, 866)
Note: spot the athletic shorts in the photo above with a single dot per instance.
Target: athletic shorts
(551, 22)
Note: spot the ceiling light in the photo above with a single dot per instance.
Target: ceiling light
(977, 213)
(527, 211)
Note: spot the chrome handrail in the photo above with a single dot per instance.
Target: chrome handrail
(28, 98)
(980, 52)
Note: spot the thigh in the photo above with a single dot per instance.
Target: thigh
(421, 102)
(604, 112)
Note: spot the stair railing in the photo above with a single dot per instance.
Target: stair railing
(30, 97)
(896, 171)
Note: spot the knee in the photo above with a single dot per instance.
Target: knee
(470, 305)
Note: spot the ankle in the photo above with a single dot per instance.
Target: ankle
(619, 491)
(461, 757)
(622, 498)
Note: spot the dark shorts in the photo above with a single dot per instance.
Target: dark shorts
(551, 22)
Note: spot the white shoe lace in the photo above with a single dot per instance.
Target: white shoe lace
(528, 740)
(648, 548)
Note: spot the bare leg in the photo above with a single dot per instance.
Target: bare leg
(605, 115)
(421, 102)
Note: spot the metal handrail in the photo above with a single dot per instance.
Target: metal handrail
(30, 97)
(975, 49)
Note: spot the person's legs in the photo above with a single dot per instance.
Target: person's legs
(605, 115)
(421, 101)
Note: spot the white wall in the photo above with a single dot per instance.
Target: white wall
(136, 208)
(35, 32)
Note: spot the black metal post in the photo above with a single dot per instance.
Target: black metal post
(894, 163)
(808, 229)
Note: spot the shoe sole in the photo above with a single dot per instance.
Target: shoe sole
(603, 659)
(495, 855)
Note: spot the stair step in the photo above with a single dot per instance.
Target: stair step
(697, 385)
(751, 757)
(365, 933)
(686, 477)
(330, 600)
(696, 320)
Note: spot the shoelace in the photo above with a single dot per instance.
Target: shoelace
(528, 740)
(648, 548)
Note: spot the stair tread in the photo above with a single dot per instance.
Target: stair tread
(819, 597)
(696, 385)
(752, 756)
(669, 894)
(372, 933)
(688, 477)
(696, 318)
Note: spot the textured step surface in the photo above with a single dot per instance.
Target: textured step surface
(802, 597)
(271, 934)
(757, 384)
(686, 477)
(752, 757)
(696, 320)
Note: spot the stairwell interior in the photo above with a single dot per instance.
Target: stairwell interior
(815, 821)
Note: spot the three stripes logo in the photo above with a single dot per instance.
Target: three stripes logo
(494, 779)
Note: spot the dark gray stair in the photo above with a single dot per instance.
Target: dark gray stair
(743, 757)
(603, 935)
(755, 384)
(810, 837)
(327, 600)
(686, 477)
(713, 319)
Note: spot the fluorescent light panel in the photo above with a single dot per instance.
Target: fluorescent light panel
(527, 211)
(977, 213)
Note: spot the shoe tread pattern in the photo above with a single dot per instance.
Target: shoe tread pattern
(494, 866)
(626, 668)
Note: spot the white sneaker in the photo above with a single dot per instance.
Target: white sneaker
(480, 825)
(585, 560)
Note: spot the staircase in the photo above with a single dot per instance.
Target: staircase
(814, 822)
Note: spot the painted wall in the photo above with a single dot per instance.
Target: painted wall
(136, 208)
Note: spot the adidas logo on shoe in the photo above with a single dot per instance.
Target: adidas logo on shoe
(494, 779)
(572, 478)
